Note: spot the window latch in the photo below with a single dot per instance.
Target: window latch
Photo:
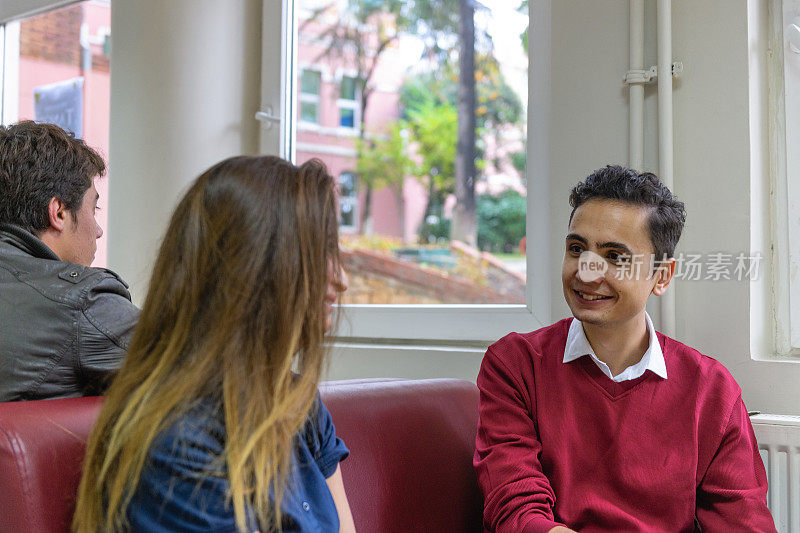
(267, 117)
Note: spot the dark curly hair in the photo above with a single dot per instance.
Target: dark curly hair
(614, 182)
(40, 161)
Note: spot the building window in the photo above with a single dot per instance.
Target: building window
(310, 83)
(348, 102)
(348, 203)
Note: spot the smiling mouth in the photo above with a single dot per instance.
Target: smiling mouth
(591, 297)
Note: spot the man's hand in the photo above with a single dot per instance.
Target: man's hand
(561, 529)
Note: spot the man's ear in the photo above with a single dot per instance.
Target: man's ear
(58, 213)
(663, 274)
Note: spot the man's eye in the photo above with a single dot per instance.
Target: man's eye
(617, 257)
(575, 248)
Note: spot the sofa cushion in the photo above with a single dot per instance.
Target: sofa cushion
(410, 464)
(411, 445)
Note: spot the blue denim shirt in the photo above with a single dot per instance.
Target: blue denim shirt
(184, 484)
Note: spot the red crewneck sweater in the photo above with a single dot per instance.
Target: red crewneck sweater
(562, 444)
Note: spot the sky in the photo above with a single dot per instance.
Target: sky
(505, 24)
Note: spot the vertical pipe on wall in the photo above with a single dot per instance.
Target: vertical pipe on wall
(636, 90)
(665, 155)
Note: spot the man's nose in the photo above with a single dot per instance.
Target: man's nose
(591, 267)
(98, 231)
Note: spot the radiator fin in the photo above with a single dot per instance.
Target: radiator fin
(779, 444)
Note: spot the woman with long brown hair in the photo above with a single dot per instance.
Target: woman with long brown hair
(214, 422)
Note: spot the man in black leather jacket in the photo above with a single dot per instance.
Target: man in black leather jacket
(64, 326)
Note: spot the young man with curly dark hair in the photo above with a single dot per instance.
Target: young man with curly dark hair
(64, 326)
(600, 423)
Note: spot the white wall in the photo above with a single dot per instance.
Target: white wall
(185, 85)
(712, 160)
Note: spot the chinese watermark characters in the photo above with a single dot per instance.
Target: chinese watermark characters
(717, 266)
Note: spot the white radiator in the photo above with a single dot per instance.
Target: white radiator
(779, 442)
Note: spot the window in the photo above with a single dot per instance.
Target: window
(348, 203)
(418, 238)
(348, 103)
(56, 68)
(782, 51)
(396, 166)
(310, 84)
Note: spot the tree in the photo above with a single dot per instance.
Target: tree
(465, 227)
(497, 103)
(384, 162)
(429, 105)
(434, 128)
(365, 30)
(523, 8)
(501, 221)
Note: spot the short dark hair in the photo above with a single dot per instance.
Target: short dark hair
(618, 183)
(40, 161)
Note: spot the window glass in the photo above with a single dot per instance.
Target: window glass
(308, 111)
(56, 68)
(347, 117)
(416, 228)
(310, 82)
(348, 88)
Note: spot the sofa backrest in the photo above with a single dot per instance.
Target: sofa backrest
(42, 444)
(409, 470)
(411, 445)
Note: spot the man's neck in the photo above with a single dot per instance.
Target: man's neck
(50, 238)
(619, 346)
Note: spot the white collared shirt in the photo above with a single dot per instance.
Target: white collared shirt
(653, 359)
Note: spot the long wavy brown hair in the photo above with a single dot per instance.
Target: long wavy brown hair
(235, 311)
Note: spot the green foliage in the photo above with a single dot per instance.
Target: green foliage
(519, 160)
(501, 221)
(429, 90)
(497, 103)
(435, 130)
(523, 8)
(439, 231)
(384, 162)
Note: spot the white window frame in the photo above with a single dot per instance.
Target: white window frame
(432, 324)
(9, 72)
(782, 336)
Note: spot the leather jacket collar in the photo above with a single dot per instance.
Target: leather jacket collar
(26, 242)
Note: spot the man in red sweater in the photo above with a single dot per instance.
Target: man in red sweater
(600, 423)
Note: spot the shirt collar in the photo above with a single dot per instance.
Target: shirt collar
(653, 359)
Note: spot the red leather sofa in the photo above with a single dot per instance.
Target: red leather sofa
(410, 467)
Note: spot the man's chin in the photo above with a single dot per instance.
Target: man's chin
(586, 317)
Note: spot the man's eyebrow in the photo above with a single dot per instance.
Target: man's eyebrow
(613, 244)
(576, 237)
(610, 244)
